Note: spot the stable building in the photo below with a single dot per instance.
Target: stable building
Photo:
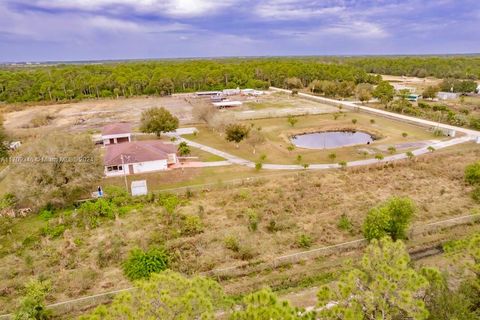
(117, 133)
(139, 157)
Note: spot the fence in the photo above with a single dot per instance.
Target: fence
(249, 268)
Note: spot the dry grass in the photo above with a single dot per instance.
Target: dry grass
(277, 132)
(86, 261)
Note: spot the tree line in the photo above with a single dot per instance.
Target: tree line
(126, 79)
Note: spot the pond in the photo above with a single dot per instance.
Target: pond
(331, 139)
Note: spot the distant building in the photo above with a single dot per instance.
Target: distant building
(207, 93)
(117, 133)
(414, 97)
(231, 92)
(139, 157)
(447, 95)
(227, 104)
(400, 87)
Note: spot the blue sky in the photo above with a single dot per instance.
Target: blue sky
(39, 30)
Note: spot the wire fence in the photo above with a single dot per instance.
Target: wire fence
(85, 303)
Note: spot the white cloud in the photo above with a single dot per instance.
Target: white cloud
(171, 8)
(295, 10)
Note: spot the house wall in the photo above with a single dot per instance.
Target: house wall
(139, 167)
(106, 139)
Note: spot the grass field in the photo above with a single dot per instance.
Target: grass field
(84, 261)
(277, 132)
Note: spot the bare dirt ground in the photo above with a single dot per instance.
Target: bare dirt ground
(93, 114)
(418, 83)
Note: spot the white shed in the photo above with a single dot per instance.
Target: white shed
(139, 188)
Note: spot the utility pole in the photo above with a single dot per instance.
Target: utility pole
(124, 173)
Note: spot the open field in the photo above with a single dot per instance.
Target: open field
(92, 114)
(277, 132)
(305, 203)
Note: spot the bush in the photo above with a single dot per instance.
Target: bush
(192, 225)
(32, 305)
(8, 201)
(389, 219)
(476, 194)
(344, 223)
(231, 243)
(304, 241)
(472, 173)
(253, 220)
(169, 202)
(140, 264)
(258, 166)
(91, 212)
(54, 231)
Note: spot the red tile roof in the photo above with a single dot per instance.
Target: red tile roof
(137, 151)
(117, 128)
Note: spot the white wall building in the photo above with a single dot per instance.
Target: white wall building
(139, 157)
(117, 133)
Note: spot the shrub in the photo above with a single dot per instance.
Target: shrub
(392, 149)
(472, 173)
(253, 220)
(404, 134)
(343, 164)
(258, 166)
(192, 225)
(476, 194)
(354, 121)
(430, 148)
(91, 212)
(54, 231)
(32, 305)
(379, 156)
(332, 156)
(372, 121)
(304, 241)
(140, 264)
(8, 201)
(390, 218)
(231, 243)
(169, 202)
(409, 154)
(344, 223)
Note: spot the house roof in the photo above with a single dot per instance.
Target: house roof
(137, 151)
(117, 128)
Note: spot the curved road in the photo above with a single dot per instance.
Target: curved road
(469, 135)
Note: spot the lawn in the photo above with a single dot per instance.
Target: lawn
(191, 177)
(277, 131)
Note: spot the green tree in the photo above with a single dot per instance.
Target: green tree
(390, 218)
(3, 142)
(265, 305)
(364, 92)
(58, 169)
(430, 92)
(158, 120)
(32, 305)
(236, 132)
(383, 286)
(384, 92)
(166, 295)
(184, 149)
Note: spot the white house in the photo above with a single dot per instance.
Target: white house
(117, 133)
(138, 157)
(447, 95)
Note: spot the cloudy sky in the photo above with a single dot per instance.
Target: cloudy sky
(40, 30)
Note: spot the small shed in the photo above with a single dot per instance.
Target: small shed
(139, 188)
(447, 95)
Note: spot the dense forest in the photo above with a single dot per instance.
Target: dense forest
(75, 82)
(460, 67)
(80, 81)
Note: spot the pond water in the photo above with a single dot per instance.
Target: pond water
(331, 139)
